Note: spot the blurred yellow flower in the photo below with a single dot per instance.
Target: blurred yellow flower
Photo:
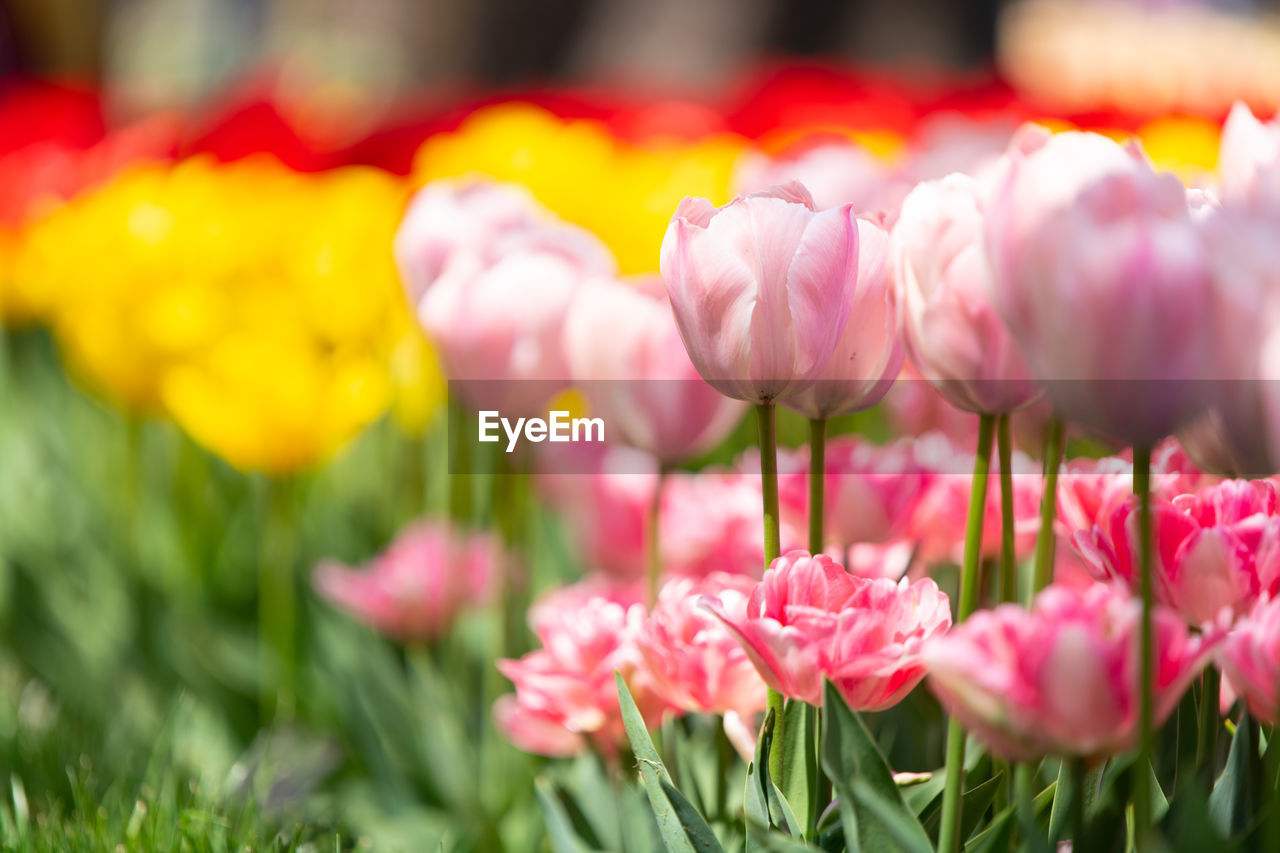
(257, 306)
(623, 192)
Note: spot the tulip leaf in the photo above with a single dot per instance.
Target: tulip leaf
(800, 765)
(756, 800)
(683, 829)
(877, 818)
(560, 832)
(1234, 799)
(782, 813)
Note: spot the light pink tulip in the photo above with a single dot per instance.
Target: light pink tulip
(914, 407)
(1102, 275)
(497, 318)
(837, 172)
(870, 490)
(625, 354)
(940, 517)
(446, 218)
(1063, 677)
(692, 659)
(565, 691)
(1210, 549)
(869, 354)
(1249, 159)
(413, 590)
(761, 289)
(810, 620)
(956, 338)
(1249, 658)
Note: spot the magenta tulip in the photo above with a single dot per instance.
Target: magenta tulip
(810, 620)
(1063, 677)
(1249, 658)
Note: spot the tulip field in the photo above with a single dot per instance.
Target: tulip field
(841, 463)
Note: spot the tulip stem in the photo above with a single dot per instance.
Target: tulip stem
(769, 495)
(1008, 565)
(1076, 805)
(817, 482)
(653, 536)
(459, 461)
(1045, 539)
(1142, 781)
(277, 604)
(1207, 744)
(949, 830)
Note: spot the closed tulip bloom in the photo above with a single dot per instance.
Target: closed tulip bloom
(836, 172)
(1063, 677)
(693, 660)
(625, 353)
(565, 692)
(761, 288)
(497, 322)
(1249, 658)
(413, 590)
(1214, 551)
(1103, 277)
(809, 620)
(1249, 159)
(447, 217)
(869, 355)
(955, 336)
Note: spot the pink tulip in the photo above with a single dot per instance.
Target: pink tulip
(1249, 658)
(413, 590)
(940, 516)
(711, 523)
(1063, 677)
(497, 319)
(1101, 273)
(761, 288)
(694, 662)
(1207, 548)
(956, 338)
(446, 218)
(565, 691)
(1249, 159)
(914, 407)
(870, 491)
(1090, 490)
(809, 620)
(869, 355)
(837, 172)
(625, 354)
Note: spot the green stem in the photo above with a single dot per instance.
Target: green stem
(460, 503)
(1207, 743)
(1076, 804)
(949, 830)
(653, 538)
(817, 482)
(769, 494)
(1008, 565)
(1142, 783)
(1045, 539)
(1024, 794)
(277, 605)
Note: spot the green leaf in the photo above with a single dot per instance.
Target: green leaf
(800, 765)
(756, 799)
(997, 836)
(1233, 802)
(976, 802)
(683, 829)
(560, 831)
(880, 819)
(782, 814)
